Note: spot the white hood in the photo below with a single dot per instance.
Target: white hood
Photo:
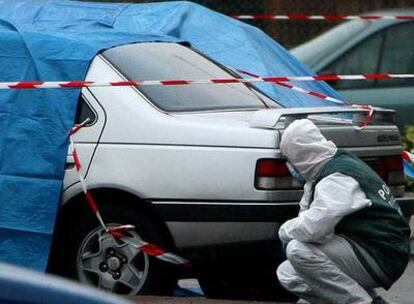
(306, 148)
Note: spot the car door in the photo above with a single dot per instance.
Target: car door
(390, 50)
(87, 138)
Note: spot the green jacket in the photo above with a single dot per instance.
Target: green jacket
(380, 229)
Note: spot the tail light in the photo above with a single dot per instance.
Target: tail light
(390, 168)
(273, 174)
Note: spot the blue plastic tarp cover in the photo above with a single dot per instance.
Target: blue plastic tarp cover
(56, 41)
(408, 169)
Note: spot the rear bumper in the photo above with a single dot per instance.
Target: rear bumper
(406, 204)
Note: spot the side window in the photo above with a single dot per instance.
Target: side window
(84, 111)
(398, 54)
(363, 58)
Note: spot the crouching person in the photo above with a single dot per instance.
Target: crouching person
(350, 236)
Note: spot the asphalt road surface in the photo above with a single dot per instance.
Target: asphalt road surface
(402, 292)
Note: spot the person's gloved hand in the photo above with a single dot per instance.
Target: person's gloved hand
(284, 233)
(284, 238)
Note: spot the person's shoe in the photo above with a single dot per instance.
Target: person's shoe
(302, 301)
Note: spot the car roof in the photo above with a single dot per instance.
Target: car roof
(393, 12)
(375, 24)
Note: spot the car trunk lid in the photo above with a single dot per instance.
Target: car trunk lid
(339, 124)
(377, 144)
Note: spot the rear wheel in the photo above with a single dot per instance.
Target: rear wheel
(110, 264)
(85, 252)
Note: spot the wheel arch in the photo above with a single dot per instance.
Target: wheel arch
(78, 203)
(62, 258)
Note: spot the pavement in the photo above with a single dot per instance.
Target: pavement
(168, 300)
(189, 291)
(402, 293)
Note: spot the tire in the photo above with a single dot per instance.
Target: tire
(84, 252)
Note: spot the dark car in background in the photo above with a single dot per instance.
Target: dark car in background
(362, 46)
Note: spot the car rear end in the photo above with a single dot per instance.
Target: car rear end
(252, 248)
(238, 196)
(226, 178)
(377, 144)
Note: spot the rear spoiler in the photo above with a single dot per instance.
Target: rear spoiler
(269, 119)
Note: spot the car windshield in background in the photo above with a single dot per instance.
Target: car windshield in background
(167, 61)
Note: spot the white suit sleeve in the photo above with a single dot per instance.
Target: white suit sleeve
(336, 196)
(304, 202)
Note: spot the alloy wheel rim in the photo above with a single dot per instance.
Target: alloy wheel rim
(110, 264)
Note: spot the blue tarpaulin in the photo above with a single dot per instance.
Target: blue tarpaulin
(408, 169)
(56, 41)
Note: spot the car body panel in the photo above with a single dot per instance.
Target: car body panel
(90, 137)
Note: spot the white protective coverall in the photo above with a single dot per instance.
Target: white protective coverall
(321, 267)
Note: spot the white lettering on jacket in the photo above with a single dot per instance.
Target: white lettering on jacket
(384, 191)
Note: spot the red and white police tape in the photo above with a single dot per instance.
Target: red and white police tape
(24, 85)
(295, 88)
(311, 93)
(408, 156)
(120, 232)
(321, 17)
(363, 124)
(369, 108)
(279, 80)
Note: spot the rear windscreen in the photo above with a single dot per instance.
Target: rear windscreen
(168, 61)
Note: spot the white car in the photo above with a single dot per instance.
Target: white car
(196, 169)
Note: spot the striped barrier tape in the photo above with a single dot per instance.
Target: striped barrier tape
(89, 197)
(156, 251)
(150, 249)
(119, 232)
(24, 85)
(311, 93)
(363, 124)
(298, 17)
(295, 88)
(408, 159)
(408, 156)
